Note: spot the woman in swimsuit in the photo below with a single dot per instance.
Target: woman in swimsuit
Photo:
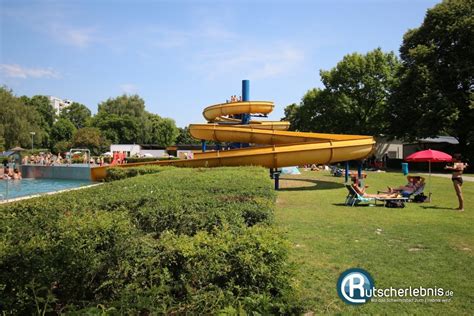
(458, 168)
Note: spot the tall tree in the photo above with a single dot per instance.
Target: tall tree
(62, 130)
(163, 130)
(118, 129)
(17, 121)
(91, 138)
(122, 120)
(435, 96)
(354, 99)
(185, 138)
(132, 105)
(359, 87)
(77, 113)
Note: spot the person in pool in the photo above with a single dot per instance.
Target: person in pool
(16, 174)
(458, 168)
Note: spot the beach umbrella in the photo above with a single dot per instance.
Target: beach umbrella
(17, 149)
(429, 156)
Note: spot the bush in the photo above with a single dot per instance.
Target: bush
(180, 241)
(148, 159)
(119, 173)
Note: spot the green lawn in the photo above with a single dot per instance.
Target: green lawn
(426, 244)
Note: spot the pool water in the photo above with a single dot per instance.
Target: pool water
(25, 187)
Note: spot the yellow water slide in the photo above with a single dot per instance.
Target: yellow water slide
(274, 147)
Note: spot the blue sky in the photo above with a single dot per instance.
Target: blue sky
(181, 56)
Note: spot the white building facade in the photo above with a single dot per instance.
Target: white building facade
(59, 104)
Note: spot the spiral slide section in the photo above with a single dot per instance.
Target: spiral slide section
(274, 147)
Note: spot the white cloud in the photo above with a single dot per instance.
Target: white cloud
(163, 37)
(254, 62)
(17, 71)
(78, 37)
(54, 23)
(129, 88)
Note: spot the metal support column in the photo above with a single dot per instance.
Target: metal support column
(347, 172)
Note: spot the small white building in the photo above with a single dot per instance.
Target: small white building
(130, 150)
(59, 104)
(137, 150)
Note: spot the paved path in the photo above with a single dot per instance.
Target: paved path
(445, 175)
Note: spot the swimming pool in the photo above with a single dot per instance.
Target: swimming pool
(29, 186)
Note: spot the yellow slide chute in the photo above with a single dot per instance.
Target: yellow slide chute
(274, 146)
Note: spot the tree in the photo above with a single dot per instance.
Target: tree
(354, 99)
(118, 129)
(17, 121)
(47, 115)
(185, 138)
(133, 106)
(62, 130)
(90, 138)
(163, 130)
(77, 113)
(62, 146)
(45, 109)
(123, 120)
(359, 88)
(435, 96)
(316, 112)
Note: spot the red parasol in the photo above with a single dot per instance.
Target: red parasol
(429, 156)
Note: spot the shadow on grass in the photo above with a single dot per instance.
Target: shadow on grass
(435, 207)
(358, 205)
(310, 184)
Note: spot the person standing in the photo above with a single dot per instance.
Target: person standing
(458, 168)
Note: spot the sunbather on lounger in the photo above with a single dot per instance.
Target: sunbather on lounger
(361, 192)
(414, 183)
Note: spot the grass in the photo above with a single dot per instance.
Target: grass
(424, 244)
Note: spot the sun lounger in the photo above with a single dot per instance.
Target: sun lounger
(354, 198)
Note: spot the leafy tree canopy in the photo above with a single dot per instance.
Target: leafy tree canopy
(42, 105)
(17, 121)
(435, 96)
(185, 138)
(90, 138)
(163, 130)
(354, 98)
(62, 130)
(133, 106)
(118, 129)
(77, 113)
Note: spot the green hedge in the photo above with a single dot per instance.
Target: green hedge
(180, 241)
(148, 159)
(119, 173)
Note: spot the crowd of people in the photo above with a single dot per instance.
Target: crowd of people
(44, 159)
(49, 159)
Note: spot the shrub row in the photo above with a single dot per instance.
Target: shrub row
(147, 159)
(119, 173)
(180, 241)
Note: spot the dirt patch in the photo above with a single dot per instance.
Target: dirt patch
(280, 201)
(417, 248)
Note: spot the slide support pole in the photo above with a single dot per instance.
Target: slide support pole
(347, 172)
